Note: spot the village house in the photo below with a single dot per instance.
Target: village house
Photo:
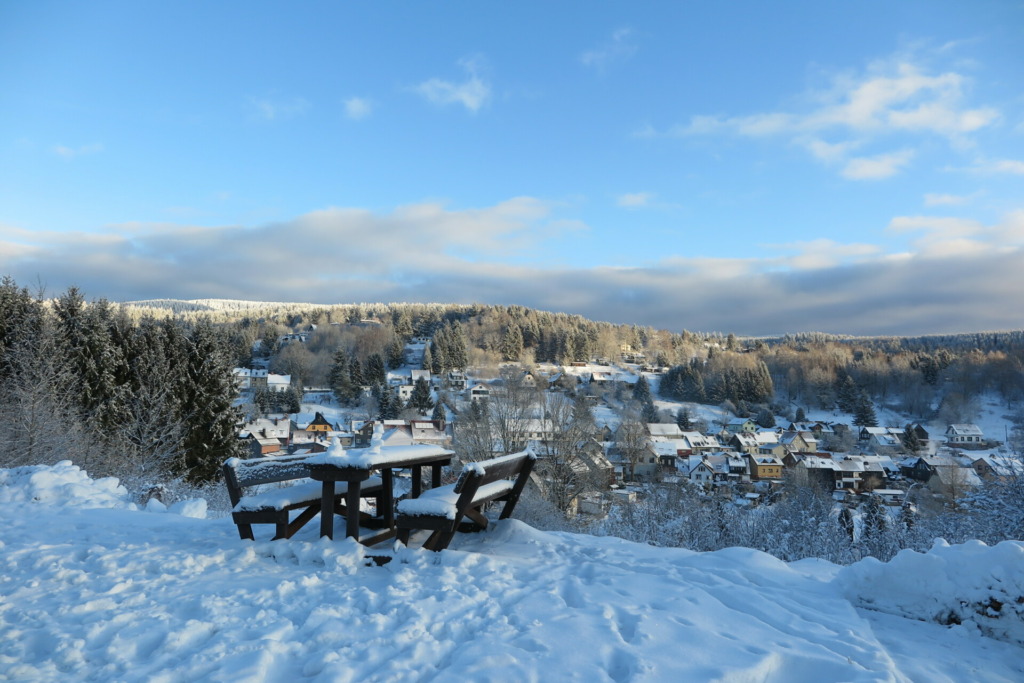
(659, 431)
(311, 427)
(266, 435)
(455, 380)
(764, 467)
(998, 467)
(965, 436)
(814, 469)
(698, 443)
(701, 473)
(744, 442)
(278, 382)
(798, 442)
(740, 424)
(479, 392)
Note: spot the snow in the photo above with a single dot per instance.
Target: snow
(376, 455)
(304, 491)
(94, 589)
(442, 501)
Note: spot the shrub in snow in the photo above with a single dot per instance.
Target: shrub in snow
(970, 584)
(61, 485)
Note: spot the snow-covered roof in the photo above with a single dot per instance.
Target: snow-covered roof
(664, 430)
(964, 430)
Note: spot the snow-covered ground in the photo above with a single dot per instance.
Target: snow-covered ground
(93, 589)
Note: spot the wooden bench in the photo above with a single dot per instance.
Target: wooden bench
(275, 506)
(442, 509)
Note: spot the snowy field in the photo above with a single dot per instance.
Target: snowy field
(94, 589)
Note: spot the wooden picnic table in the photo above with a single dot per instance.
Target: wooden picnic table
(356, 466)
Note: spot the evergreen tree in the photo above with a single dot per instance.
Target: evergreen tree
(910, 439)
(512, 343)
(340, 379)
(396, 354)
(438, 359)
(864, 412)
(765, 418)
(439, 414)
(388, 405)
(420, 399)
(801, 416)
(210, 437)
(428, 359)
(649, 412)
(847, 394)
(355, 374)
(683, 420)
(290, 401)
(642, 390)
(375, 371)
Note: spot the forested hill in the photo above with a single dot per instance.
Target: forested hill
(920, 376)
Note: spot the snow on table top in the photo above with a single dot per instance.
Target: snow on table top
(118, 594)
(441, 500)
(376, 455)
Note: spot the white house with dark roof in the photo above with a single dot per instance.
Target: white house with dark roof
(965, 435)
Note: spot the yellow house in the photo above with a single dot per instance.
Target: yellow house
(765, 467)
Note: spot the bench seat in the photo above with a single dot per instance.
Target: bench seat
(442, 509)
(301, 494)
(443, 501)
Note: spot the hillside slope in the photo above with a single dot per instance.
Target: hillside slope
(95, 589)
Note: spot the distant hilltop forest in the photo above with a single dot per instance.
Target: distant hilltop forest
(919, 376)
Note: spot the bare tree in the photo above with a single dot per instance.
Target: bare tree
(631, 439)
(474, 438)
(570, 460)
(512, 406)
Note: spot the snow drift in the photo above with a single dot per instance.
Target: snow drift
(93, 588)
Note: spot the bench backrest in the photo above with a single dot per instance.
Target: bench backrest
(240, 473)
(484, 472)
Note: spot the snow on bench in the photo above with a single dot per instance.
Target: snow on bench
(273, 506)
(443, 501)
(443, 508)
(292, 496)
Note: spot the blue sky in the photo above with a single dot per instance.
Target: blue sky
(752, 167)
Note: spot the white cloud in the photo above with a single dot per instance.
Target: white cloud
(634, 199)
(830, 152)
(960, 275)
(823, 253)
(472, 93)
(1012, 166)
(272, 109)
(890, 97)
(877, 167)
(72, 152)
(619, 47)
(358, 108)
(936, 199)
(942, 235)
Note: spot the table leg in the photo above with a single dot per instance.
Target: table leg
(417, 481)
(352, 509)
(435, 475)
(327, 510)
(387, 498)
